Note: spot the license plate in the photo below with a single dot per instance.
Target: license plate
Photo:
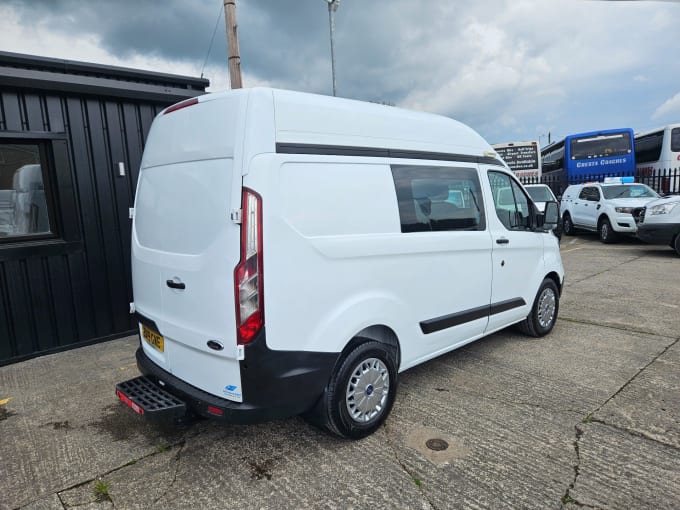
(152, 337)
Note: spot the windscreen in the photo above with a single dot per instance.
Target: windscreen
(623, 191)
(601, 146)
(539, 194)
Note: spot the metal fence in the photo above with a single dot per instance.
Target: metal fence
(664, 182)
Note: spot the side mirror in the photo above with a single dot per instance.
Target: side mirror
(551, 215)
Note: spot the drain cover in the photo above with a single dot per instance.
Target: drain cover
(437, 445)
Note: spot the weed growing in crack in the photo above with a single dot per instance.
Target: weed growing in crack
(101, 490)
(587, 419)
(567, 499)
(417, 481)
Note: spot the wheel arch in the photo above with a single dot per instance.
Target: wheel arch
(604, 216)
(378, 333)
(555, 278)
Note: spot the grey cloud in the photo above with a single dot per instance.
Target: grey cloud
(506, 67)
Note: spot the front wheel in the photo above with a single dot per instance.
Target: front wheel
(543, 314)
(607, 234)
(567, 225)
(360, 393)
(676, 244)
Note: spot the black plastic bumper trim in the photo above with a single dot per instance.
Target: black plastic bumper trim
(275, 384)
(658, 233)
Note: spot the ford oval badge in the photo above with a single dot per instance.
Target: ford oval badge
(215, 345)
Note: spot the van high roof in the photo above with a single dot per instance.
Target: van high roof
(311, 119)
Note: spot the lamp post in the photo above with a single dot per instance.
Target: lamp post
(332, 7)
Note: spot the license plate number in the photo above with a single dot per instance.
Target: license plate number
(152, 338)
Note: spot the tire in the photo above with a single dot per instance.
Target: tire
(543, 315)
(368, 370)
(567, 225)
(606, 232)
(676, 244)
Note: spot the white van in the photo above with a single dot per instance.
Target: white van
(291, 253)
(657, 158)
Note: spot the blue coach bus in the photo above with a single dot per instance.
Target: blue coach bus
(589, 156)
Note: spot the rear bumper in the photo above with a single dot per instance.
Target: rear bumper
(276, 384)
(658, 233)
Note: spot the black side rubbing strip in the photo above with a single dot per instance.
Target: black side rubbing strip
(504, 306)
(375, 152)
(454, 319)
(458, 318)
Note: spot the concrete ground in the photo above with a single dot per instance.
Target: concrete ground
(586, 417)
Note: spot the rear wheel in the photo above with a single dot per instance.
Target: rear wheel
(676, 244)
(567, 225)
(607, 234)
(543, 314)
(360, 393)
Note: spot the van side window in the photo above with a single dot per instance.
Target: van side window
(438, 198)
(512, 204)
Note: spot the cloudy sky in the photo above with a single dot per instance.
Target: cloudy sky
(511, 69)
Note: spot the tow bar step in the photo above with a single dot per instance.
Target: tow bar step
(150, 400)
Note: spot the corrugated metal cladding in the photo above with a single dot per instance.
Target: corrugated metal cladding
(73, 287)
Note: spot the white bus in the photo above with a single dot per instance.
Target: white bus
(657, 158)
(523, 158)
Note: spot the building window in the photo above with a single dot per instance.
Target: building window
(25, 202)
(433, 198)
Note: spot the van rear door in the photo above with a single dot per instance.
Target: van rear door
(185, 246)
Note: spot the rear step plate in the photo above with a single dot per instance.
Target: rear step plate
(149, 400)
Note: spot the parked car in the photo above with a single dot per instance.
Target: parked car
(292, 253)
(609, 208)
(660, 222)
(540, 194)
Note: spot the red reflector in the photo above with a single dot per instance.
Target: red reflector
(125, 400)
(250, 327)
(179, 106)
(215, 410)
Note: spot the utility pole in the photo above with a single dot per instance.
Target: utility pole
(232, 43)
(332, 7)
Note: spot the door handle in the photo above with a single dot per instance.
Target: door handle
(502, 240)
(175, 285)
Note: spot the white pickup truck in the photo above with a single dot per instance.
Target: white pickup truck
(609, 208)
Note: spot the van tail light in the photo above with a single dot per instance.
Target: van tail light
(248, 283)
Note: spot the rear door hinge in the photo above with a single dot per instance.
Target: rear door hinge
(240, 353)
(132, 212)
(236, 215)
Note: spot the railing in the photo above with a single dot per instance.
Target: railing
(664, 182)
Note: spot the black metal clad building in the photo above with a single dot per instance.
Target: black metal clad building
(71, 140)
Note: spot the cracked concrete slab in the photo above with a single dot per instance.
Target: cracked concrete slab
(66, 424)
(620, 470)
(576, 368)
(49, 502)
(519, 457)
(630, 291)
(650, 404)
(255, 466)
(509, 404)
